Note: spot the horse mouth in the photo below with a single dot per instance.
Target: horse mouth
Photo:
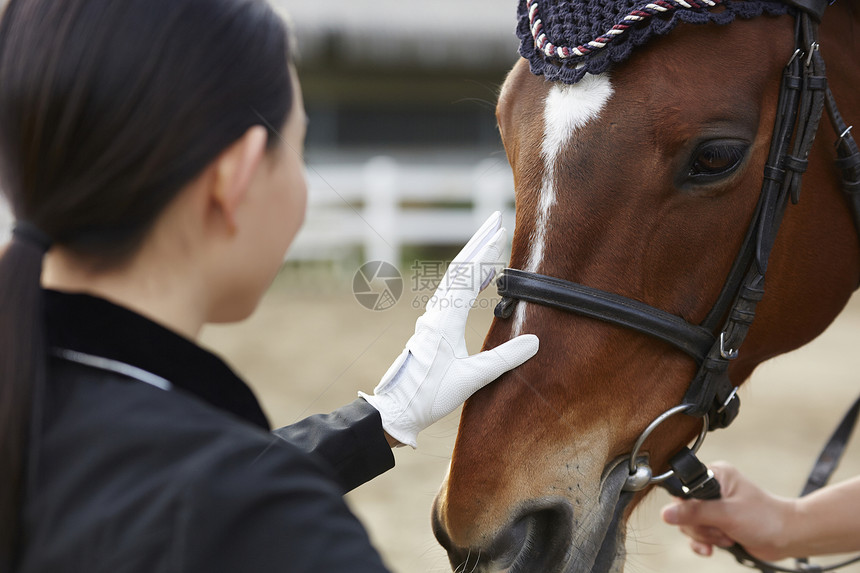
(548, 537)
(598, 546)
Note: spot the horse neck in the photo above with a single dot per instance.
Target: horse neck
(840, 40)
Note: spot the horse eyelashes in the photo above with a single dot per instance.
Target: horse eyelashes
(713, 160)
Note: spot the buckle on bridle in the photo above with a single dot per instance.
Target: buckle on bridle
(798, 53)
(698, 484)
(732, 395)
(843, 135)
(730, 354)
(813, 47)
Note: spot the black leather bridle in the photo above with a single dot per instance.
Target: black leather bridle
(714, 343)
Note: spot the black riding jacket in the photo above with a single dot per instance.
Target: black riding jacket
(153, 456)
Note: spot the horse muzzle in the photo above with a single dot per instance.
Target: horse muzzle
(551, 535)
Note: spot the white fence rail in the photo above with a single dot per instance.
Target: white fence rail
(6, 220)
(382, 205)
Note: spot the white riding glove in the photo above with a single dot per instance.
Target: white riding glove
(435, 374)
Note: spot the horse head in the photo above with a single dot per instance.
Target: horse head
(639, 181)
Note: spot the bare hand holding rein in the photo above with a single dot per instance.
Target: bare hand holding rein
(770, 527)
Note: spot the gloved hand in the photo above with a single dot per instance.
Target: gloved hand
(435, 374)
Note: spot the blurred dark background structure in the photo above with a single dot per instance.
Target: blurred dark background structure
(403, 152)
(396, 76)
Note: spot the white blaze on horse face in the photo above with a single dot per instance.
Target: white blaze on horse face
(567, 108)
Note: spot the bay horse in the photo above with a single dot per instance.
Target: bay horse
(642, 180)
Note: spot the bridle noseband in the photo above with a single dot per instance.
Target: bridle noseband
(714, 343)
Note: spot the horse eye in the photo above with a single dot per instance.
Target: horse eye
(716, 159)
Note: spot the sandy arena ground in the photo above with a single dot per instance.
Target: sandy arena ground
(310, 346)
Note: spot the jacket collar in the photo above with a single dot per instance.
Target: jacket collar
(83, 323)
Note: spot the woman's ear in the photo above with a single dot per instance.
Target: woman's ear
(234, 171)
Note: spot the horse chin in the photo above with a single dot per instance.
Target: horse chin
(547, 535)
(598, 544)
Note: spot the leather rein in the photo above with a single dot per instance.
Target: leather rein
(714, 343)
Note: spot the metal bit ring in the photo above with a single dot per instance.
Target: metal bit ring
(638, 468)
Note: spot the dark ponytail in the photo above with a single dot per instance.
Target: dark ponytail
(22, 366)
(107, 110)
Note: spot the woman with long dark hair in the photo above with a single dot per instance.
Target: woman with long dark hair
(150, 150)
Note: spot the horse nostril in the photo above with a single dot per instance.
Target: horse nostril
(539, 540)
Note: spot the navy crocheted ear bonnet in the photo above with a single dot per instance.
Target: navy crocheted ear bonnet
(565, 39)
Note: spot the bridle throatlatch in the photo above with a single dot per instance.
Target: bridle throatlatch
(711, 395)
